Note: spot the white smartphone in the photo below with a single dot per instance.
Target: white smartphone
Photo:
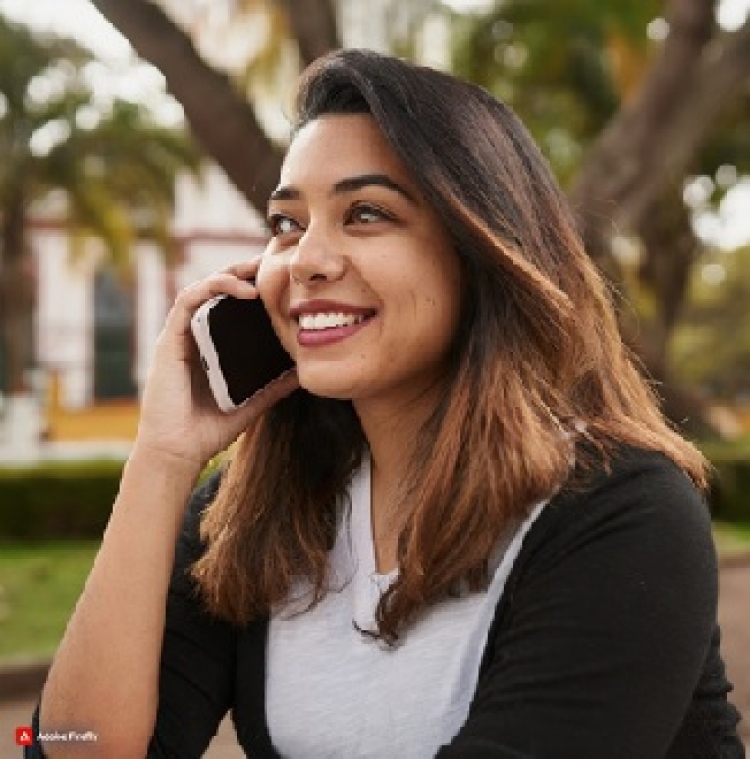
(239, 349)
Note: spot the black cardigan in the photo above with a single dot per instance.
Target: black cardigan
(604, 644)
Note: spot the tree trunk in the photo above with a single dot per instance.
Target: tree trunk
(16, 298)
(221, 119)
(671, 248)
(219, 116)
(647, 148)
(650, 142)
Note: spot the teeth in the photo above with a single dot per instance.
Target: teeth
(328, 321)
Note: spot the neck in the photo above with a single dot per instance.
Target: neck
(391, 430)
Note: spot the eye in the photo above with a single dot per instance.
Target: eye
(279, 224)
(366, 213)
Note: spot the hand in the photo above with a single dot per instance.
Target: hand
(179, 416)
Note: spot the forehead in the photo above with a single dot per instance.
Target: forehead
(332, 147)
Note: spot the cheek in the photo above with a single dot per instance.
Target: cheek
(440, 316)
(441, 298)
(271, 280)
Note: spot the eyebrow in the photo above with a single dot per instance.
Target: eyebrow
(350, 184)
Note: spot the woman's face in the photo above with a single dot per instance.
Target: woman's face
(360, 277)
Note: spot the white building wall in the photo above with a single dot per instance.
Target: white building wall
(213, 226)
(64, 315)
(203, 258)
(216, 225)
(213, 203)
(150, 306)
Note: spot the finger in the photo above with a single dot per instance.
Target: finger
(245, 269)
(221, 283)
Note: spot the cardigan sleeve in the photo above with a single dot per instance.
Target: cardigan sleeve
(609, 625)
(196, 677)
(197, 660)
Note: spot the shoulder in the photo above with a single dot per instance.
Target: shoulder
(614, 594)
(633, 484)
(622, 556)
(638, 506)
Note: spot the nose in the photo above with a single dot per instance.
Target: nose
(315, 257)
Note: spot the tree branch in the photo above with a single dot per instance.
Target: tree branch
(313, 23)
(725, 67)
(221, 119)
(630, 147)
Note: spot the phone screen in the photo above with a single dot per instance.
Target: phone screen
(249, 352)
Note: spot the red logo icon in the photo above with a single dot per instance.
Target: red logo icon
(24, 736)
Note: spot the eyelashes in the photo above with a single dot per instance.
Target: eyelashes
(365, 214)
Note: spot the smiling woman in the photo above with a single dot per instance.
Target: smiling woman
(460, 528)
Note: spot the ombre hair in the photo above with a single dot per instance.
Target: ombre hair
(537, 366)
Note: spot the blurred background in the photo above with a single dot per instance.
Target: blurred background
(139, 140)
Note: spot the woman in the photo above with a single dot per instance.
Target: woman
(460, 528)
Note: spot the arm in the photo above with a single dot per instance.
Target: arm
(607, 631)
(105, 675)
(197, 664)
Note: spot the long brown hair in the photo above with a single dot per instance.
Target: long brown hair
(538, 358)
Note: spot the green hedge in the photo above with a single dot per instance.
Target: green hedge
(730, 491)
(50, 501)
(53, 501)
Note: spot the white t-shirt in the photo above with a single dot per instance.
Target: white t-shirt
(333, 693)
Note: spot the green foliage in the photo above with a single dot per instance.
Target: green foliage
(114, 164)
(70, 500)
(113, 161)
(730, 485)
(567, 66)
(711, 348)
(57, 500)
(730, 495)
(556, 64)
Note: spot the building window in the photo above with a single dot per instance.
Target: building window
(113, 338)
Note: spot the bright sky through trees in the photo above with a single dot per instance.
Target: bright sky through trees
(118, 75)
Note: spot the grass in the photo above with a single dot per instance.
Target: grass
(40, 583)
(39, 586)
(732, 538)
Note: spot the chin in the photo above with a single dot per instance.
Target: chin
(326, 389)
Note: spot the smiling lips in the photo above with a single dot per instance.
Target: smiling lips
(328, 321)
(325, 322)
